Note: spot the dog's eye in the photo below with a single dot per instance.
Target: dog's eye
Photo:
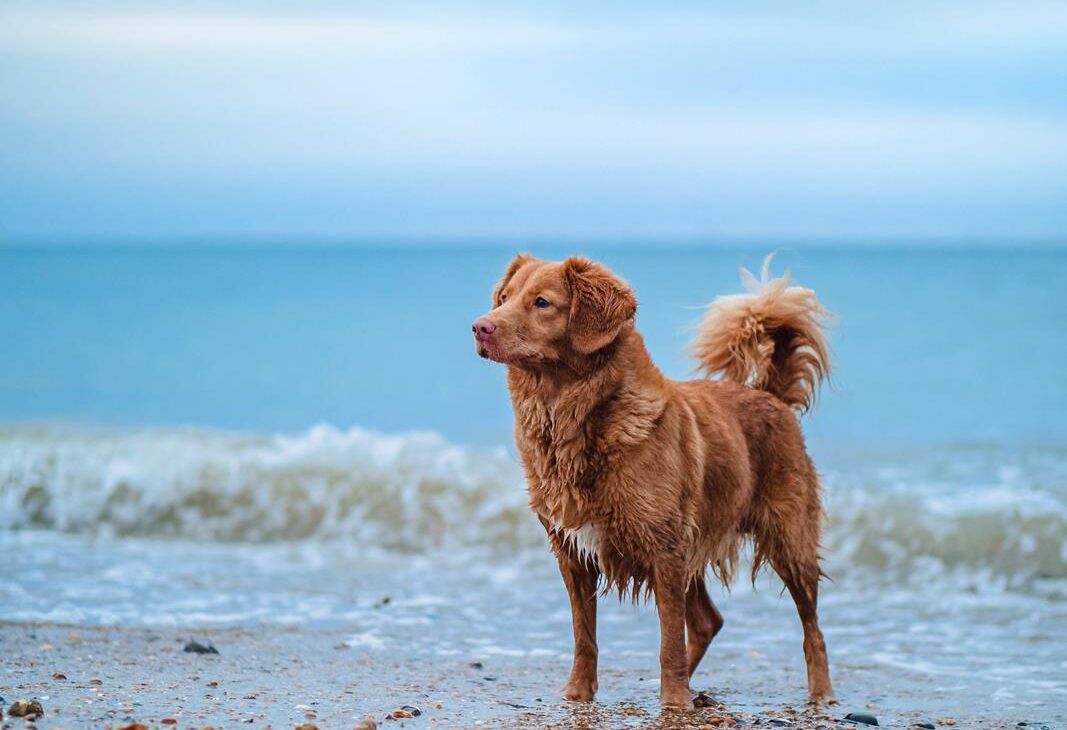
(540, 302)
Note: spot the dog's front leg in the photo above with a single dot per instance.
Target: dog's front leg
(669, 584)
(581, 579)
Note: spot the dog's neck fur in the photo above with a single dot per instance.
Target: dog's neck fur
(563, 455)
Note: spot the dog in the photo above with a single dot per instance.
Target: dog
(642, 483)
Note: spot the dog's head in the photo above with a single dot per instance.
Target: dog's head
(550, 311)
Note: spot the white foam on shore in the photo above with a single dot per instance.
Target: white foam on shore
(412, 491)
(996, 517)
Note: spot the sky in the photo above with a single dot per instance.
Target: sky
(631, 120)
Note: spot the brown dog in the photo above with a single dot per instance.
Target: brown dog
(643, 481)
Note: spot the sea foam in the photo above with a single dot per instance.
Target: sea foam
(992, 515)
(413, 491)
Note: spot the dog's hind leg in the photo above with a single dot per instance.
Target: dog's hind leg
(787, 536)
(702, 622)
(802, 580)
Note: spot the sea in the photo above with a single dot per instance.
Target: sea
(224, 432)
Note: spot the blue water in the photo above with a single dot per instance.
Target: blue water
(934, 345)
(943, 449)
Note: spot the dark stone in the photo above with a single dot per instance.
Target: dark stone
(25, 708)
(862, 718)
(703, 699)
(924, 725)
(412, 709)
(195, 647)
(476, 665)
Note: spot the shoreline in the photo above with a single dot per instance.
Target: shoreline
(279, 676)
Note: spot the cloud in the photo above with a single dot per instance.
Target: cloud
(645, 114)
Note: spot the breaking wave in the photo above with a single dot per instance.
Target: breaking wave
(1001, 514)
(411, 491)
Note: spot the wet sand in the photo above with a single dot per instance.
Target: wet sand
(474, 637)
(278, 676)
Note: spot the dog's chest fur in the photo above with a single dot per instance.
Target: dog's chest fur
(574, 446)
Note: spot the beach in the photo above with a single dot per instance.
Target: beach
(286, 404)
(337, 508)
(474, 637)
(490, 657)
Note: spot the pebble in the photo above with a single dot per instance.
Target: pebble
(195, 647)
(25, 708)
(924, 725)
(306, 726)
(132, 726)
(367, 723)
(405, 711)
(59, 675)
(703, 699)
(862, 718)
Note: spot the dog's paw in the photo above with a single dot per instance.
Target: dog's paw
(578, 691)
(676, 699)
(822, 697)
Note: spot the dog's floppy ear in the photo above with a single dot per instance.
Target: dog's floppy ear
(601, 303)
(516, 263)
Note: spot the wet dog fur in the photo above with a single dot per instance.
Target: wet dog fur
(643, 483)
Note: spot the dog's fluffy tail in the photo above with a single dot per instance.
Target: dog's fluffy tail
(770, 337)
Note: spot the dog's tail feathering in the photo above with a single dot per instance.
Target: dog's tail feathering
(770, 338)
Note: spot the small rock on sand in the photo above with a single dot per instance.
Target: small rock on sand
(195, 647)
(703, 699)
(25, 708)
(132, 726)
(367, 723)
(306, 726)
(862, 718)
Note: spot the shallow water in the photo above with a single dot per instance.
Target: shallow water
(935, 651)
(161, 463)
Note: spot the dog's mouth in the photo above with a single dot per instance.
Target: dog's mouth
(489, 351)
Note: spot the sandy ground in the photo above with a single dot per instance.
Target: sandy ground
(277, 677)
